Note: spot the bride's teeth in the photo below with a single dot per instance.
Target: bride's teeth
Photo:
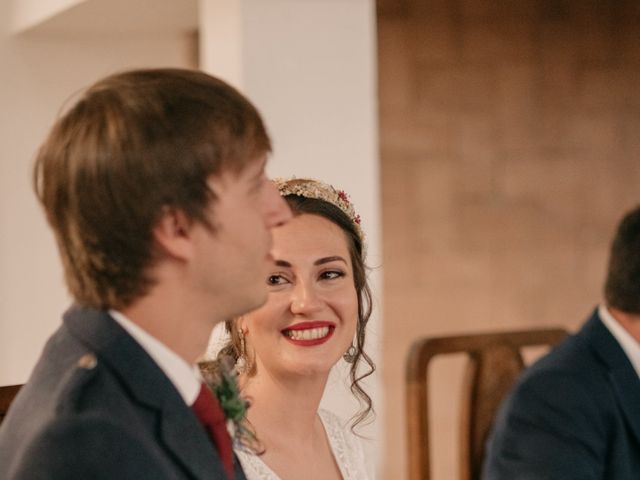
(308, 334)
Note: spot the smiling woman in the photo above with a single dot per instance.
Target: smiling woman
(316, 314)
(309, 320)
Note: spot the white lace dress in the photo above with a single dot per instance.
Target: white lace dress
(346, 447)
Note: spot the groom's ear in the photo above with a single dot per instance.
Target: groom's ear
(173, 233)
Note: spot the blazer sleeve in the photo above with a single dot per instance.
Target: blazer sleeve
(553, 426)
(90, 447)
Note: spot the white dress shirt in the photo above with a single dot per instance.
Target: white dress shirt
(629, 344)
(186, 378)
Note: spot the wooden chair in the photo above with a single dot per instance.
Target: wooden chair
(7, 394)
(494, 361)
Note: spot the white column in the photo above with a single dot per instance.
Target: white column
(221, 43)
(309, 66)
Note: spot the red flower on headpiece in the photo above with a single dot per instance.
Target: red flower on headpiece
(343, 196)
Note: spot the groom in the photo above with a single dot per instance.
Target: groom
(154, 185)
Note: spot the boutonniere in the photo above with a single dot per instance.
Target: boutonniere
(225, 386)
(222, 378)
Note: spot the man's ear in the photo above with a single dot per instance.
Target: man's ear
(173, 233)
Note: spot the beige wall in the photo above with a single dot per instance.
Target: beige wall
(510, 137)
(39, 71)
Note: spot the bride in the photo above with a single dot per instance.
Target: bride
(316, 314)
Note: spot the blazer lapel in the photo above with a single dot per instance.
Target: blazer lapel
(628, 392)
(622, 375)
(180, 431)
(187, 440)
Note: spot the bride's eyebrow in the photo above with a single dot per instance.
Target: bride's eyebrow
(335, 258)
(320, 261)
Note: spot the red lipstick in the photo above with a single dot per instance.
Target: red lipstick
(307, 334)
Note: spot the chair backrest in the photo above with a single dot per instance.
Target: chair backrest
(494, 362)
(7, 394)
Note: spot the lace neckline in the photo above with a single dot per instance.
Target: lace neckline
(344, 446)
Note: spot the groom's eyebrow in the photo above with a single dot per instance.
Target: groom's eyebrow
(283, 263)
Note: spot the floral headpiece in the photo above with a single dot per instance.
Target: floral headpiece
(309, 188)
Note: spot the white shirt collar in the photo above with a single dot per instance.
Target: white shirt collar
(629, 344)
(186, 378)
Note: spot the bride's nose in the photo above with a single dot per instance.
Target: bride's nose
(304, 299)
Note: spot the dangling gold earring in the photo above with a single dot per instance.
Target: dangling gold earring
(350, 355)
(241, 363)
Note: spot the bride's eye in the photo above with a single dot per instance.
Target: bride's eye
(331, 274)
(276, 280)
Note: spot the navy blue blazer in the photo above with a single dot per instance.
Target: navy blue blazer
(97, 406)
(575, 414)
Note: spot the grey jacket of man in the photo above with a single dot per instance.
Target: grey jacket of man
(97, 406)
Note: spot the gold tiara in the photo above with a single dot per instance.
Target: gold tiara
(310, 188)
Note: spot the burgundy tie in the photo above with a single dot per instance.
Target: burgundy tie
(208, 411)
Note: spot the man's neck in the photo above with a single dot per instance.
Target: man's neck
(629, 321)
(174, 321)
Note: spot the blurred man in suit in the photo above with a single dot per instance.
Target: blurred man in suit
(575, 414)
(154, 185)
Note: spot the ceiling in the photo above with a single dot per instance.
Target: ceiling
(109, 17)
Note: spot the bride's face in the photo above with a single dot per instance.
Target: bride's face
(310, 317)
